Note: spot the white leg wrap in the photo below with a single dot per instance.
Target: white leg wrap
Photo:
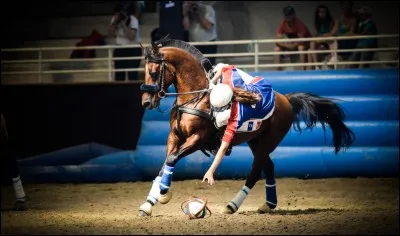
(18, 188)
(239, 198)
(155, 190)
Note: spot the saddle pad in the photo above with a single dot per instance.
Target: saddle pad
(250, 126)
(254, 124)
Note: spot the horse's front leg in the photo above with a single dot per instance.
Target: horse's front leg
(160, 189)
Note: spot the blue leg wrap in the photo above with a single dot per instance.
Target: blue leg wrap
(270, 188)
(166, 178)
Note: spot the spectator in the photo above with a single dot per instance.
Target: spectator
(94, 39)
(199, 19)
(125, 26)
(139, 8)
(365, 27)
(345, 26)
(323, 23)
(291, 27)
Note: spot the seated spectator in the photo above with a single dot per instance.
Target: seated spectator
(292, 27)
(365, 27)
(323, 23)
(345, 26)
(94, 39)
(125, 26)
(200, 21)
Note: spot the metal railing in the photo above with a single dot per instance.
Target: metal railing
(254, 44)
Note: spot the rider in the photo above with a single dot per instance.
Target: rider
(241, 102)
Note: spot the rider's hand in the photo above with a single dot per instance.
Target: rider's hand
(210, 177)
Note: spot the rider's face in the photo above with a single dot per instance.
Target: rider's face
(224, 108)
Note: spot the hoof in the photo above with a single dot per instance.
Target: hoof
(143, 214)
(164, 199)
(264, 209)
(227, 210)
(145, 209)
(19, 206)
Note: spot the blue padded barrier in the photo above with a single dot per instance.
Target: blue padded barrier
(313, 162)
(69, 156)
(333, 82)
(361, 107)
(156, 133)
(81, 174)
(369, 97)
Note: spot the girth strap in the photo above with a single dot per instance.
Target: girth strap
(195, 112)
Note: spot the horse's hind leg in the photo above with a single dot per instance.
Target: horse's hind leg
(259, 162)
(265, 143)
(270, 187)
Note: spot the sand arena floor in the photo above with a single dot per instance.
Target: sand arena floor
(325, 206)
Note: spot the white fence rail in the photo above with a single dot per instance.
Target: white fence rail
(252, 44)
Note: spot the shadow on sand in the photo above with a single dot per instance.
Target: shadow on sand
(293, 211)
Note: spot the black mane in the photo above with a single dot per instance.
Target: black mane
(152, 51)
(168, 42)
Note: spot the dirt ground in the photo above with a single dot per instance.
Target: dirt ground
(324, 206)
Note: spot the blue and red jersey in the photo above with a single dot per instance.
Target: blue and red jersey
(240, 113)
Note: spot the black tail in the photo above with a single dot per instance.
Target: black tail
(312, 109)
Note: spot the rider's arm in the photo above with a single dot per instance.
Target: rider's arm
(218, 158)
(216, 76)
(232, 126)
(227, 138)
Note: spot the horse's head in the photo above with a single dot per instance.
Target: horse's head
(167, 62)
(159, 75)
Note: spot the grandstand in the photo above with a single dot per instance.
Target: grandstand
(62, 31)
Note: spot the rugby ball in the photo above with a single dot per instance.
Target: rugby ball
(196, 209)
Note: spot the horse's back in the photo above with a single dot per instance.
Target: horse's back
(281, 117)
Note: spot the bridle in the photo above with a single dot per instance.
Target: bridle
(158, 77)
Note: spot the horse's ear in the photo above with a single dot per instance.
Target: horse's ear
(155, 47)
(141, 46)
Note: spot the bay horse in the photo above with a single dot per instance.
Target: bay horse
(170, 61)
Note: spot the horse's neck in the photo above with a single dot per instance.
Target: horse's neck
(187, 82)
(190, 76)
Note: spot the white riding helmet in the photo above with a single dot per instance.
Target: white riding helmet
(221, 95)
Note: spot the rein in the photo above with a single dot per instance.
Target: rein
(159, 78)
